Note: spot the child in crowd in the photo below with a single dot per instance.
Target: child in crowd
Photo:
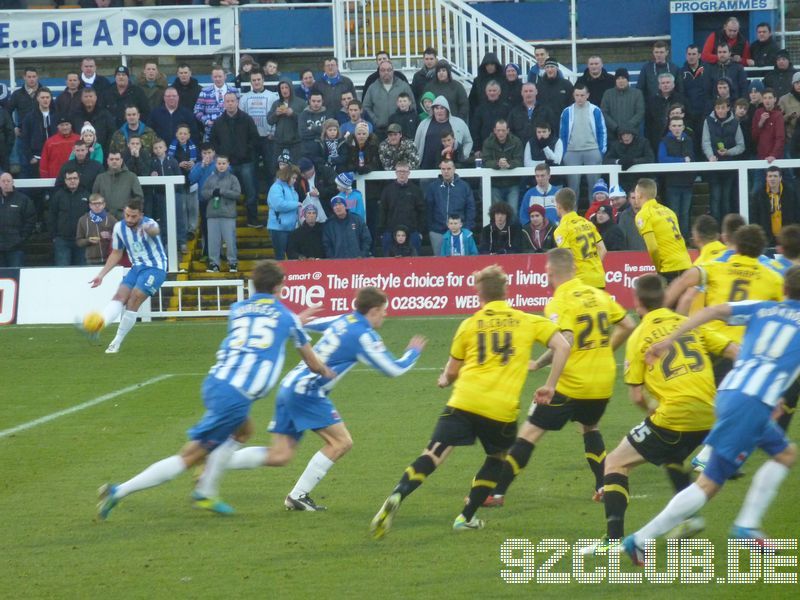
(405, 116)
(221, 191)
(353, 200)
(427, 106)
(161, 165)
(458, 241)
(401, 244)
(332, 147)
(197, 178)
(89, 135)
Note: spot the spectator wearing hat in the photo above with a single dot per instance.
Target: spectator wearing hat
(790, 107)
(764, 49)
(121, 94)
(315, 187)
(613, 236)
(650, 71)
(402, 204)
(353, 200)
(780, 78)
(622, 105)
(89, 137)
(512, 85)
(502, 235)
(363, 150)
(305, 242)
(57, 148)
(598, 198)
(395, 148)
(554, 90)
(443, 85)
(597, 80)
(247, 66)
(540, 231)
(625, 215)
(345, 235)
(283, 203)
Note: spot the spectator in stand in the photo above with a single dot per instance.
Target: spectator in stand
(427, 106)
(726, 67)
(381, 57)
(769, 134)
(381, 100)
(363, 150)
(96, 152)
(555, 92)
(536, 72)
(311, 119)
(303, 89)
(740, 111)
(165, 119)
(57, 148)
(446, 195)
(729, 36)
(345, 235)
(401, 247)
(425, 75)
(429, 135)
(235, 136)
(490, 69)
(332, 148)
(197, 177)
(503, 151)
(657, 109)
(780, 78)
(122, 94)
(68, 101)
(137, 159)
(512, 85)
(117, 185)
(612, 234)
(17, 222)
(651, 70)
(333, 84)
(599, 198)
(7, 138)
(94, 230)
(540, 231)
(597, 80)
(395, 148)
(627, 150)
(355, 115)
(22, 102)
(722, 141)
(187, 87)
(90, 79)
(315, 188)
(458, 241)
(790, 107)
(133, 126)
(542, 194)
(445, 86)
(185, 153)
(764, 49)
(97, 116)
(39, 124)
(775, 205)
(210, 102)
(677, 147)
(67, 205)
(622, 105)
(163, 165)
(625, 218)
(221, 192)
(402, 205)
(305, 242)
(257, 103)
(353, 199)
(285, 117)
(502, 235)
(272, 76)
(695, 87)
(584, 135)
(87, 168)
(283, 203)
(406, 116)
(153, 83)
(543, 147)
(247, 66)
(342, 113)
(522, 119)
(491, 109)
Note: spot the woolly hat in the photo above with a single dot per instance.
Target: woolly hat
(514, 66)
(285, 158)
(795, 78)
(88, 127)
(757, 85)
(551, 62)
(309, 208)
(617, 192)
(338, 200)
(622, 72)
(345, 180)
(600, 188)
(604, 208)
(123, 69)
(305, 164)
(536, 208)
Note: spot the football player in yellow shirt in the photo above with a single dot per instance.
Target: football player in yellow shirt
(581, 237)
(660, 231)
(586, 316)
(488, 366)
(682, 381)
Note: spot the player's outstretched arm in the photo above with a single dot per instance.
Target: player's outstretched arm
(152, 229)
(622, 331)
(601, 250)
(561, 348)
(450, 372)
(547, 356)
(111, 262)
(676, 289)
(719, 312)
(314, 363)
(638, 398)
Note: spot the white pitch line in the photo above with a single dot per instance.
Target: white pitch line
(79, 407)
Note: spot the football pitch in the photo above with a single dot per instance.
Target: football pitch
(72, 418)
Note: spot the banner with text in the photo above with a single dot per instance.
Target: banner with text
(174, 30)
(706, 6)
(440, 286)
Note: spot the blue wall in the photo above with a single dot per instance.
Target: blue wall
(289, 28)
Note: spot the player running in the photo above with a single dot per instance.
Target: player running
(137, 235)
(249, 362)
(769, 361)
(581, 237)
(488, 364)
(303, 404)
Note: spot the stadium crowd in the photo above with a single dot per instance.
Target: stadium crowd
(256, 133)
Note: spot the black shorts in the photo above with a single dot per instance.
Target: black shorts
(660, 446)
(670, 276)
(553, 416)
(457, 427)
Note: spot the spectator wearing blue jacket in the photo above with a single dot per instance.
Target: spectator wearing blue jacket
(458, 241)
(283, 203)
(584, 136)
(197, 177)
(447, 195)
(345, 235)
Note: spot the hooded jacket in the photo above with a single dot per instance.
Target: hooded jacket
(638, 152)
(477, 94)
(444, 199)
(780, 80)
(459, 127)
(287, 127)
(452, 90)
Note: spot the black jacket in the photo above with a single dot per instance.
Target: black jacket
(35, 134)
(188, 93)
(523, 126)
(482, 124)
(66, 209)
(236, 136)
(761, 214)
(306, 242)
(17, 220)
(102, 121)
(402, 205)
(638, 152)
(116, 103)
(508, 240)
(87, 171)
(597, 87)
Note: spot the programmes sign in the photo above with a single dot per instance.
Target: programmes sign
(440, 286)
(704, 6)
(114, 32)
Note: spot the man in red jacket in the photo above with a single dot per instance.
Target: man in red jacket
(57, 148)
(740, 48)
(769, 134)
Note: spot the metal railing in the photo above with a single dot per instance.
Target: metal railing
(191, 304)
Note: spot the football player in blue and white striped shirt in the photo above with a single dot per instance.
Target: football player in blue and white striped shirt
(249, 362)
(769, 361)
(137, 235)
(302, 403)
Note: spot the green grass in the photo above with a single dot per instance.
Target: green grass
(155, 546)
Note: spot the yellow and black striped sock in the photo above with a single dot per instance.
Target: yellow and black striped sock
(615, 498)
(594, 449)
(484, 484)
(414, 475)
(516, 460)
